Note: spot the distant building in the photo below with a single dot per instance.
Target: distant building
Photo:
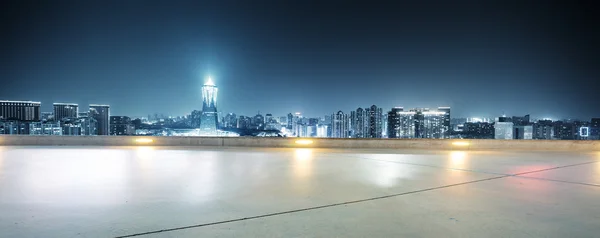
(359, 123)
(522, 132)
(521, 121)
(14, 127)
(564, 130)
(290, 121)
(375, 122)
(503, 129)
(322, 130)
(47, 116)
(63, 111)
(101, 113)
(20, 110)
(45, 128)
(244, 122)
(446, 127)
(406, 124)
(434, 124)
(209, 119)
(478, 130)
(393, 118)
(543, 130)
(595, 129)
(258, 122)
(121, 126)
(195, 118)
(230, 120)
(339, 125)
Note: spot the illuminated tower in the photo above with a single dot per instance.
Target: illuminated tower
(208, 120)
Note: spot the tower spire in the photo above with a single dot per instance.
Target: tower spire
(209, 82)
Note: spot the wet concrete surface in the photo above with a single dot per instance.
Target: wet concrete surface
(261, 192)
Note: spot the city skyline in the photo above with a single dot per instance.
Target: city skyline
(279, 57)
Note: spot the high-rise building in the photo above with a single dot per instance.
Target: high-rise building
(375, 122)
(64, 111)
(230, 120)
(89, 126)
(258, 122)
(244, 122)
(503, 129)
(407, 124)
(359, 123)
(101, 113)
(208, 121)
(290, 121)
(20, 110)
(434, 124)
(446, 122)
(322, 130)
(121, 126)
(393, 125)
(543, 130)
(564, 130)
(339, 125)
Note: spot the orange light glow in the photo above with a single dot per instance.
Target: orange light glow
(304, 142)
(143, 140)
(461, 143)
(458, 157)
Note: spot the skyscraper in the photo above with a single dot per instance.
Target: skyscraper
(20, 110)
(101, 114)
(290, 121)
(543, 130)
(339, 125)
(375, 122)
(63, 111)
(406, 124)
(393, 125)
(446, 123)
(359, 123)
(208, 121)
(230, 120)
(434, 124)
(258, 122)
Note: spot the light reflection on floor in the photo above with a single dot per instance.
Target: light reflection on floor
(82, 190)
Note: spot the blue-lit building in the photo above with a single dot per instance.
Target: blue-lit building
(20, 110)
(101, 114)
(209, 118)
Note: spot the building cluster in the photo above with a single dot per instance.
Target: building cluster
(509, 128)
(26, 118)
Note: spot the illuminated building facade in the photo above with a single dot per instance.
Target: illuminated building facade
(101, 113)
(64, 111)
(20, 110)
(339, 125)
(209, 118)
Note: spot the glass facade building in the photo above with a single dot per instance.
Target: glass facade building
(209, 118)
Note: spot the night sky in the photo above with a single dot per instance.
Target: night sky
(482, 58)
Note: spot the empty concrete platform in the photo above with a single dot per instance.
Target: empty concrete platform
(261, 192)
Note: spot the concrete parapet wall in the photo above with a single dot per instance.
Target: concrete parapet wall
(428, 144)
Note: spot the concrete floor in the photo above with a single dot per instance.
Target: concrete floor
(244, 192)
